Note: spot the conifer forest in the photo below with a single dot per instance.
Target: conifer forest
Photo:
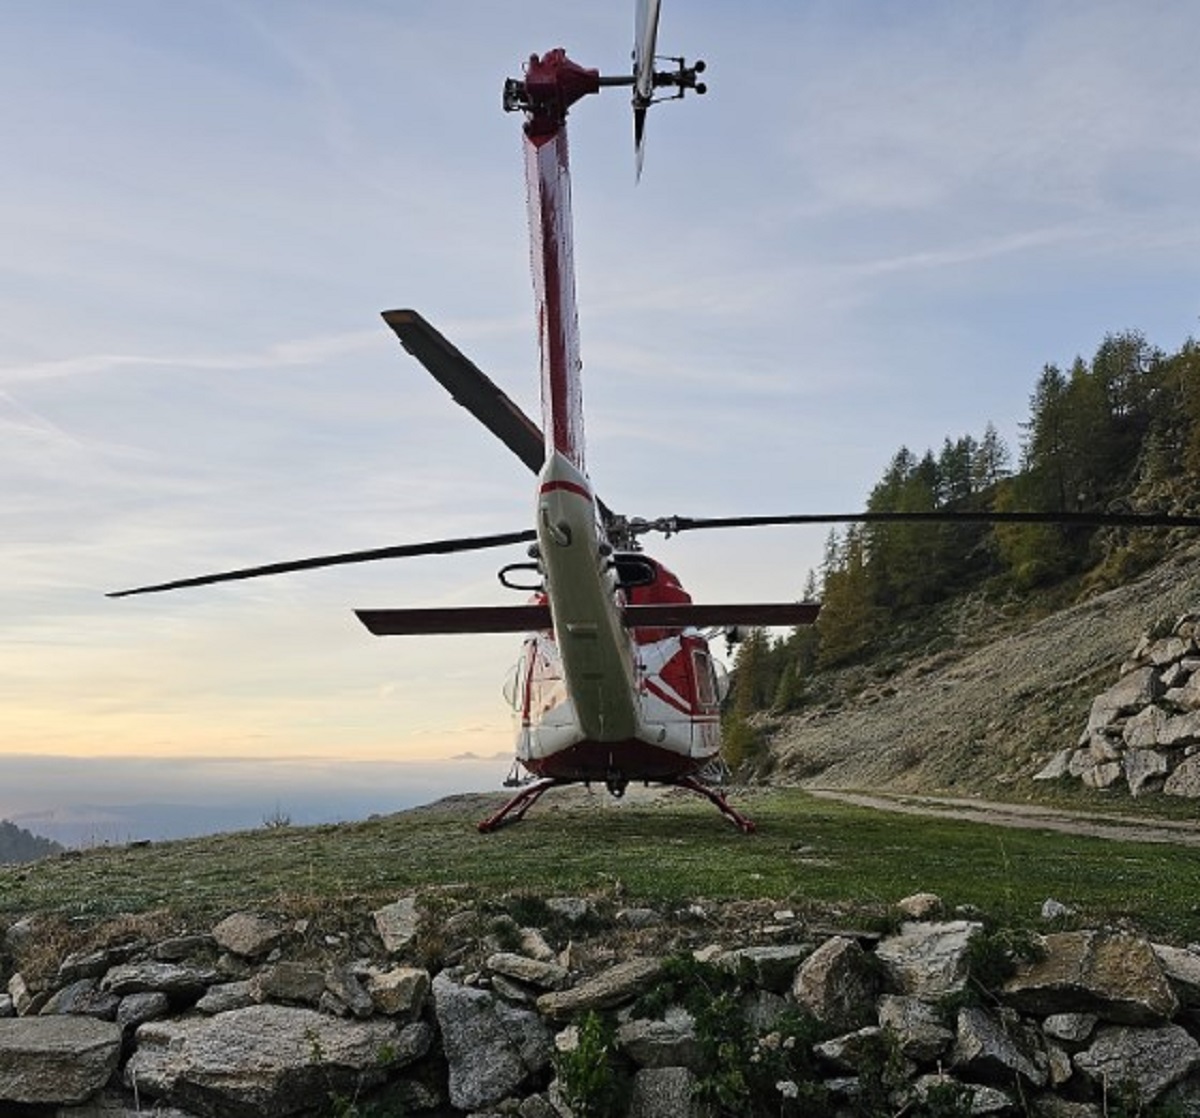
(1117, 433)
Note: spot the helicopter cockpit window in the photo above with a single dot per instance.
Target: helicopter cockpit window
(635, 570)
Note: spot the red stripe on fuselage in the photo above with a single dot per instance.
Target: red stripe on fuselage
(668, 697)
(568, 487)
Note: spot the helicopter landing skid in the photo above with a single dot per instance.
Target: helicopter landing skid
(514, 811)
(746, 826)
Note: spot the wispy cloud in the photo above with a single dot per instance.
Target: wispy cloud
(279, 355)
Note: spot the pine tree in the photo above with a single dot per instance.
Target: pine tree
(848, 618)
(1034, 554)
(1044, 455)
(992, 461)
(753, 678)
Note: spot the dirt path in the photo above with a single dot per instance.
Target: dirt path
(1126, 828)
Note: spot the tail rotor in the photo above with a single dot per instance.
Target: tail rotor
(648, 82)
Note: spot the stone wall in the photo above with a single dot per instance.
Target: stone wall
(1143, 733)
(261, 1016)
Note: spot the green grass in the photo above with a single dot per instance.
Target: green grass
(821, 858)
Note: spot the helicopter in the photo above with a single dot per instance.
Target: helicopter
(616, 682)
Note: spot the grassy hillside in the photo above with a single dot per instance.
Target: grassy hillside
(826, 861)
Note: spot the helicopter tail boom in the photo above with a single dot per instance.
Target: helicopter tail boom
(548, 187)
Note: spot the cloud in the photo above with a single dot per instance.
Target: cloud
(279, 355)
(875, 230)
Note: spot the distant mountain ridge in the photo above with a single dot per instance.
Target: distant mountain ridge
(19, 845)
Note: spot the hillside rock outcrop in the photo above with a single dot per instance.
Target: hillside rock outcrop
(1143, 732)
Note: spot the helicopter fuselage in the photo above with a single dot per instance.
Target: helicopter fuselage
(598, 700)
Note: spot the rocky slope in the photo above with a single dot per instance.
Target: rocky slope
(991, 711)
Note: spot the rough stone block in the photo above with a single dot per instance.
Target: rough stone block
(49, 1060)
(1112, 974)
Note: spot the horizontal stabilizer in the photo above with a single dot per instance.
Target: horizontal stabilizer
(454, 619)
(688, 614)
(531, 618)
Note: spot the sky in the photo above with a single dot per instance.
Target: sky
(874, 231)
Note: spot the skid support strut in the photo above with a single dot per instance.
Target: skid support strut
(514, 811)
(746, 826)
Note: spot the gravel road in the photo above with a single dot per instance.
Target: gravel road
(1126, 828)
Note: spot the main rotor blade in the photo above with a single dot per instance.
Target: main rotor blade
(470, 387)
(1083, 519)
(400, 551)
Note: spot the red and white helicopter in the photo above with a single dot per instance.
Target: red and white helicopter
(615, 682)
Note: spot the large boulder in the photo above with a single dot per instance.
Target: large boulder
(399, 991)
(1102, 775)
(266, 1059)
(1187, 696)
(837, 985)
(397, 924)
(49, 1060)
(928, 960)
(179, 981)
(916, 1026)
(82, 999)
(1182, 967)
(1133, 691)
(1185, 780)
(1148, 1060)
(1145, 770)
(249, 935)
(1180, 731)
(491, 1047)
(1112, 974)
(670, 1042)
(533, 972)
(991, 1050)
(1143, 729)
